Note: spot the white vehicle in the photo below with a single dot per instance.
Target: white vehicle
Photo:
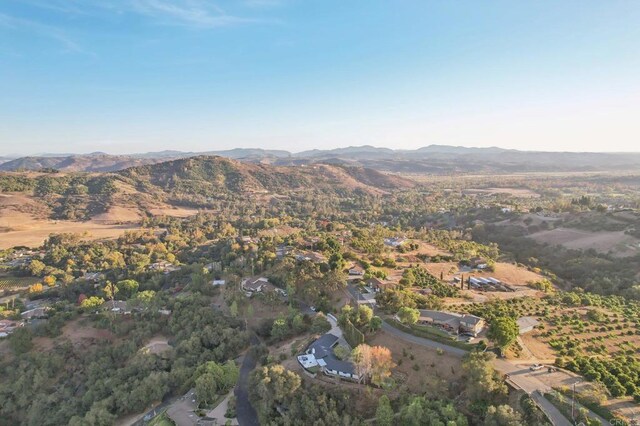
(536, 367)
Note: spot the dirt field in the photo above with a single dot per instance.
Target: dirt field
(117, 214)
(77, 332)
(174, 211)
(618, 243)
(435, 372)
(23, 229)
(506, 272)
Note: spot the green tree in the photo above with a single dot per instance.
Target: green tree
(375, 324)
(502, 415)
(127, 288)
(280, 329)
(110, 290)
(503, 331)
(408, 315)
(92, 302)
(384, 412)
(206, 388)
(320, 324)
(21, 340)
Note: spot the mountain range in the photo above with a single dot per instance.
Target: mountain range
(435, 159)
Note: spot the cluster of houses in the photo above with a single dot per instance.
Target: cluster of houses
(320, 357)
(453, 323)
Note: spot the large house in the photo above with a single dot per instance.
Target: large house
(320, 356)
(257, 285)
(377, 285)
(452, 322)
(356, 270)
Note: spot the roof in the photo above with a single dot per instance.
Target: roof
(471, 319)
(525, 322)
(322, 346)
(322, 349)
(254, 283)
(375, 281)
(439, 316)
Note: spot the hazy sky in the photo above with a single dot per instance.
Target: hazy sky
(141, 75)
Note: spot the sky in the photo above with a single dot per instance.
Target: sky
(125, 76)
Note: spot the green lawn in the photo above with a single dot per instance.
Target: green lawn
(162, 420)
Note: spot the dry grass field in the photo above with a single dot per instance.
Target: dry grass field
(616, 243)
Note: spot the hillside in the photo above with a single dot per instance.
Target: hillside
(432, 159)
(210, 175)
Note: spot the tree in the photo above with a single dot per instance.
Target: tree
(233, 309)
(110, 290)
(502, 415)
(206, 388)
(92, 302)
(320, 324)
(49, 280)
(384, 412)
(375, 324)
(280, 329)
(145, 297)
(36, 267)
(408, 315)
(364, 315)
(128, 288)
(20, 340)
(374, 363)
(503, 331)
(482, 382)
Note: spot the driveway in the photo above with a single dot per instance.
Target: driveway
(247, 415)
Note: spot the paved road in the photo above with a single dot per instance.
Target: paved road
(423, 342)
(247, 415)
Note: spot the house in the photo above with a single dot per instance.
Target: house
(452, 322)
(527, 324)
(257, 285)
(311, 256)
(7, 327)
(320, 356)
(93, 276)
(356, 270)
(39, 312)
(117, 306)
(164, 267)
(478, 263)
(394, 242)
(377, 285)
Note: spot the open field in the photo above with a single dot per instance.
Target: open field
(78, 332)
(615, 242)
(435, 372)
(514, 192)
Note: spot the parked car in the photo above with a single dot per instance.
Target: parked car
(536, 367)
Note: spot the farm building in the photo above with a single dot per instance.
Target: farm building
(527, 324)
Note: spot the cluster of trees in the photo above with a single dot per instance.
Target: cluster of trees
(284, 327)
(361, 317)
(418, 276)
(76, 384)
(215, 379)
(280, 398)
(373, 363)
(392, 300)
(620, 374)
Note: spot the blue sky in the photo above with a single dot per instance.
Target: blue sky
(143, 75)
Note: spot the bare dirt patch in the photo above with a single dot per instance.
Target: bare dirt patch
(434, 372)
(173, 211)
(157, 345)
(117, 214)
(615, 242)
(23, 229)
